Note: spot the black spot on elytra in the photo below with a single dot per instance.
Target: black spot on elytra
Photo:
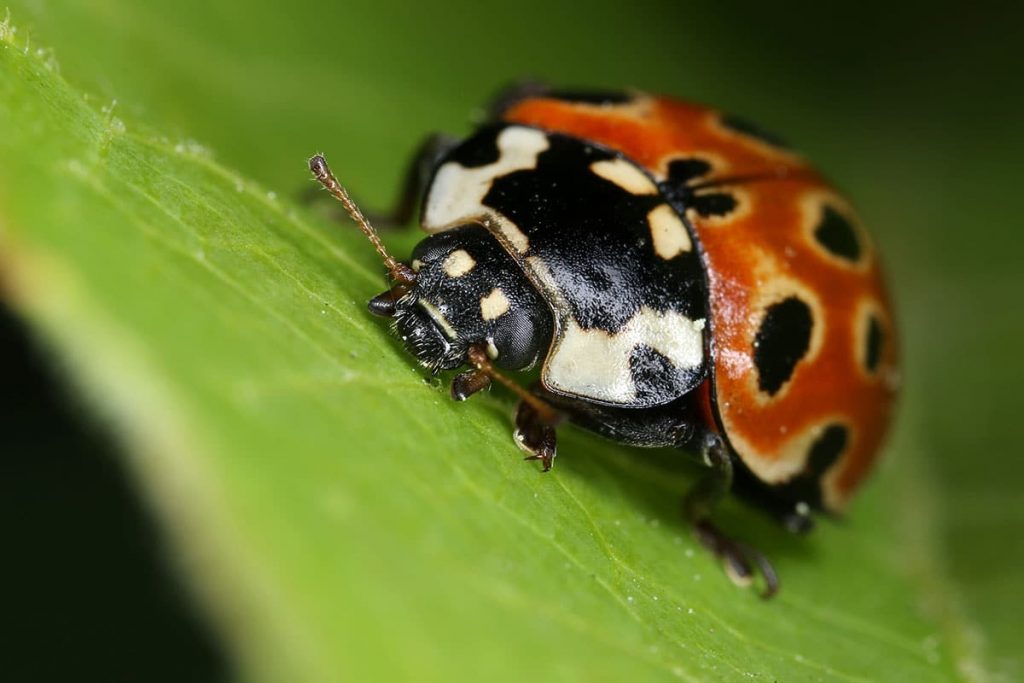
(740, 125)
(780, 343)
(825, 450)
(683, 193)
(837, 235)
(714, 204)
(873, 344)
(684, 171)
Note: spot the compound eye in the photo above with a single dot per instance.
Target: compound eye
(517, 339)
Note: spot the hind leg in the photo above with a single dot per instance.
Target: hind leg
(740, 560)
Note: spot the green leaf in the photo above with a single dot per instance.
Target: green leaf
(336, 512)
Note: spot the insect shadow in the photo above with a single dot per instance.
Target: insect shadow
(653, 483)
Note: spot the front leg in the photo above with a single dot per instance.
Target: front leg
(539, 415)
(535, 435)
(535, 419)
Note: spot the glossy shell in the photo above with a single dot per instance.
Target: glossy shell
(803, 348)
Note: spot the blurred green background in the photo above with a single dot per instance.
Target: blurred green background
(913, 111)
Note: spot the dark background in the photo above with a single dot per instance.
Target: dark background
(914, 109)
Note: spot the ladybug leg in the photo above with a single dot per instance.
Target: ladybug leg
(536, 418)
(468, 383)
(535, 435)
(740, 560)
(417, 175)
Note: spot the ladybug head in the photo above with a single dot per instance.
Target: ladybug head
(462, 291)
(467, 291)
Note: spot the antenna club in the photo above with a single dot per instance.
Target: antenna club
(318, 165)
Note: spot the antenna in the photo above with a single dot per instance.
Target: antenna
(399, 271)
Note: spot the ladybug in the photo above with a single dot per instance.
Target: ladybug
(680, 277)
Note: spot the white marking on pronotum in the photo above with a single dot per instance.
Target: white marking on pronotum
(457, 193)
(458, 263)
(595, 363)
(494, 305)
(438, 317)
(668, 232)
(625, 175)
